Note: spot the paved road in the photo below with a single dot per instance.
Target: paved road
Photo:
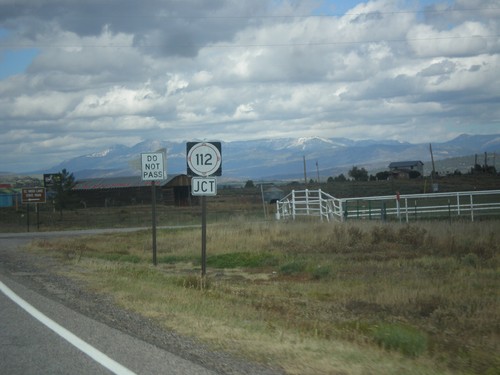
(28, 346)
(52, 338)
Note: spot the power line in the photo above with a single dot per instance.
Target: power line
(283, 16)
(277, 16)
(249, 45)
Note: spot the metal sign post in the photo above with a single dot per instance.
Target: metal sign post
(33, 195)
(153, 169)
(203, 236)
(204, 159)
(153, 219)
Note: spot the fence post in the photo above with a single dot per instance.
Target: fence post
(320, 204)
(293, 204)
(458, 204)
(307, 201)
(277, 210)
(406, 210)
(471, 209)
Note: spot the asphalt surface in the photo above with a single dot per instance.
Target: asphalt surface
(133, 343)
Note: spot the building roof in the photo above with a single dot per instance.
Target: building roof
(118, 182)
(405, 164)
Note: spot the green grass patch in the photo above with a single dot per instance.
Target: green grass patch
(293, 268)
(407, 340)
(173, 259)
(321, 272)
(116, 257)
(242, 260)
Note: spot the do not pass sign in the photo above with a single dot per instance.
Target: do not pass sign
(153, 166)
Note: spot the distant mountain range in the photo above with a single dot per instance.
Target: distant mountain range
(283, 159)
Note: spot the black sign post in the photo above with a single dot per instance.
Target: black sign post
(153, 169)
(153, 220)
(33, 195)
(204, 159)
(203, 236)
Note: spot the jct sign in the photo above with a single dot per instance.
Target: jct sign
(153, 166)
(204, 186)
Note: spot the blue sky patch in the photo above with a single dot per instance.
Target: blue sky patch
(14, 61)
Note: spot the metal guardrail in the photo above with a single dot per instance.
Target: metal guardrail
(404, 207)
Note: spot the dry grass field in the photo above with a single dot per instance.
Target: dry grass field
(310, 297)
(358, 297)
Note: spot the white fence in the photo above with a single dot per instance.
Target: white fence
(307, 203)
(467, 204)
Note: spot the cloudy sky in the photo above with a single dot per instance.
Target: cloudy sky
(78, 76)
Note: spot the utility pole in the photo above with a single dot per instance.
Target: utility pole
(317, 171)
(432, 159)
(433, 168)
(305, 173)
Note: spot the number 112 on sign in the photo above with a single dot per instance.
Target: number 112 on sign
(204, 159)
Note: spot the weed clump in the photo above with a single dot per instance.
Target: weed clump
(193, 282)
(293, 268)
(321, 272)
(406, 340)
(243, 259)
(412, 235)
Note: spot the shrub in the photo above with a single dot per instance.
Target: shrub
(412, 235)
(382, 233)
(243, 259)
(321, 272)
(355, 235)
(193, 282)
(172, 259)
(407, 340)
(117, 257)
(293, 268)
(471, 260)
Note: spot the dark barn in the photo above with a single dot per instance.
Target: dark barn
(118, 191)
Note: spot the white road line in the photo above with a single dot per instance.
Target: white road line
(74, 340)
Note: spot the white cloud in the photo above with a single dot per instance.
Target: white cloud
(467, 39)
(121, 71)
(40, 105)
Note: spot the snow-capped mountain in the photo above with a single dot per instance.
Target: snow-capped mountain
(280, 158)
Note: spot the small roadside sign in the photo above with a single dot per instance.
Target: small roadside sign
(33, 195)
(204, 186)
(153, 166)
(51, 180)
(204, 159)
